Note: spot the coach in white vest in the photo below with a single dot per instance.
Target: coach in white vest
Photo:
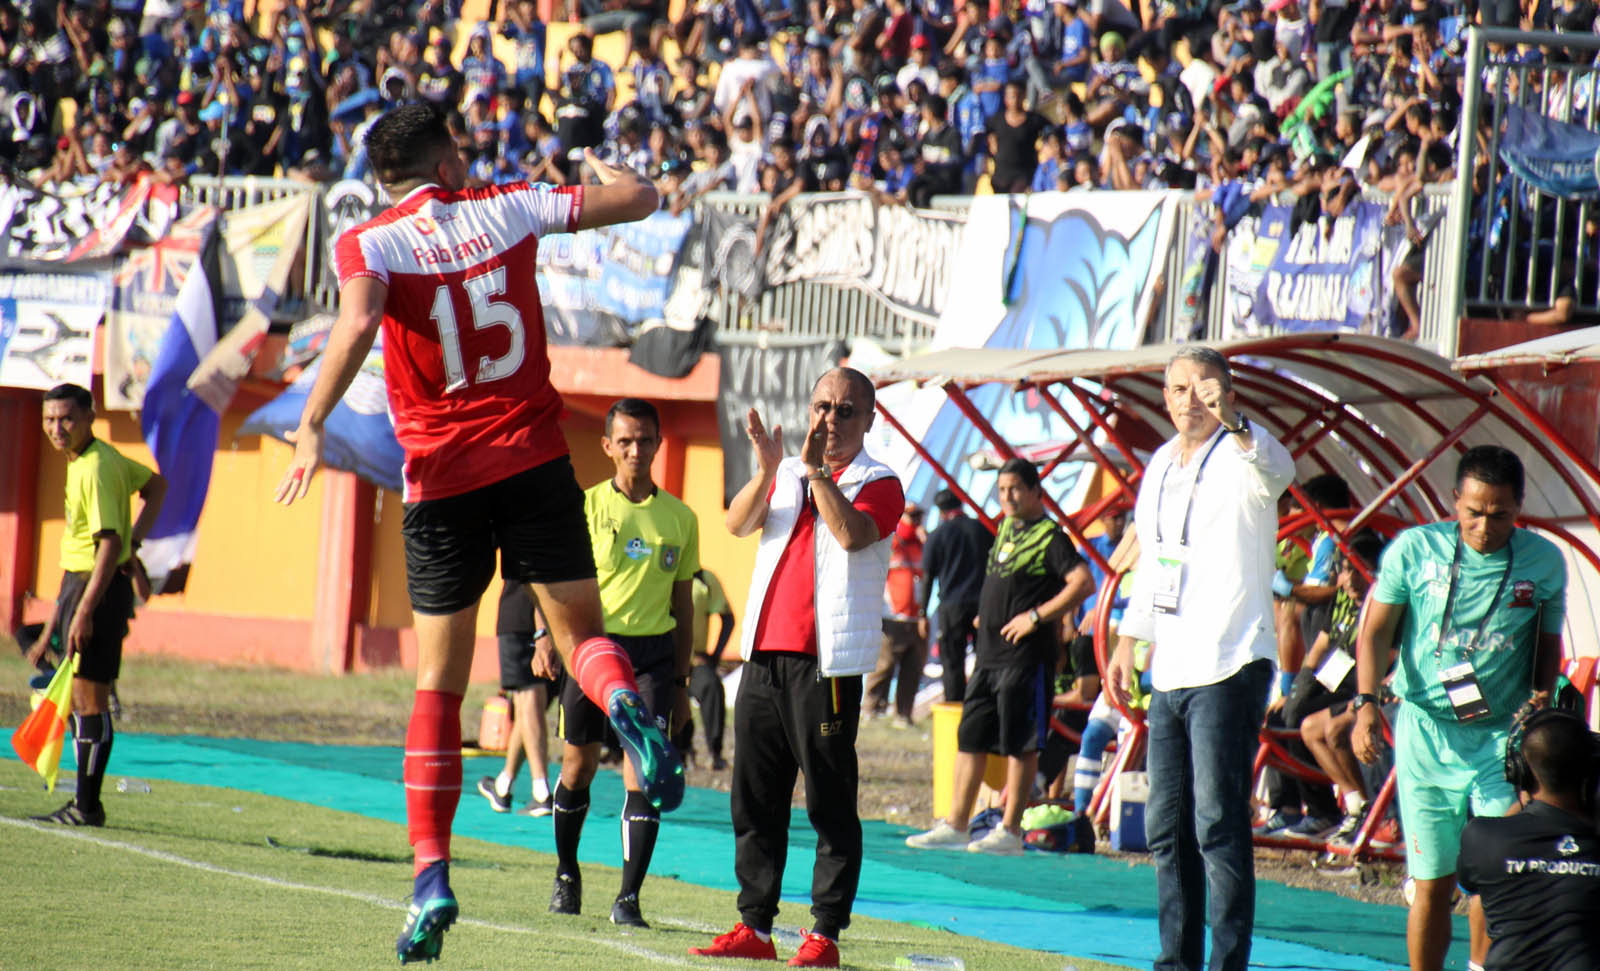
(812, 629)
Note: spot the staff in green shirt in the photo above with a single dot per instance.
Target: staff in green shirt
(1474, 609)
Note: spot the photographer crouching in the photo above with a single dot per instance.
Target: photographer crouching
(1538, 870)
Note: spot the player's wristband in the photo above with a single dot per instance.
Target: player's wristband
(1285, 682)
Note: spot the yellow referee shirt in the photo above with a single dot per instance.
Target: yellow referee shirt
(640, 550)
(100, 487)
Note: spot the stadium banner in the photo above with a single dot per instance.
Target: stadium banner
(570, 266)
(1323, 276)
(47, 319)
(730, 253)
(1050, 270)
(902, 256)
(637, 274)
(357, 437)
(776, 381)
(1555, 157)
(145, 286)
(672, 345)
(61, 227)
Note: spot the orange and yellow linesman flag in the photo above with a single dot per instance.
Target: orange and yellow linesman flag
(38, 740)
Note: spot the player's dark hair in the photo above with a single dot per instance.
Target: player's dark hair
(946, 501)
(636, 408)
(407, 143)
(1493, 465)
(75, 393)
(859, 383)
(1024, 470)
(1328, 491)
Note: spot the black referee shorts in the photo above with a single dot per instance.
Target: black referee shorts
(534, 519)
(101, 659)
(1006, 711)
(653, 656)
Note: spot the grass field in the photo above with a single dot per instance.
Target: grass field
(201, 877)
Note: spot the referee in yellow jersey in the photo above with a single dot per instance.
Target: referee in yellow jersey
(646, 549)
(96, 598)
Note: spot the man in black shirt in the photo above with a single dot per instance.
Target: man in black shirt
(954, 558)
(1034, 578)
(1538, 871)
(939, 155)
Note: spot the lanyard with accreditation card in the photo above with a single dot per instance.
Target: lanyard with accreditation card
(1461, 680)
(1170, 561)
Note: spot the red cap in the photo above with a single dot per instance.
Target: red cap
(185, 97)
(919, 40)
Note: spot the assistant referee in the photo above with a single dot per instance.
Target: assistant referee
(646, 551)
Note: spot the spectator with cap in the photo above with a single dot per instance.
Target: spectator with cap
(919, 67)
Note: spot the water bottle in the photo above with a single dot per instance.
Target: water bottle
(931, 962)
(133, 785)
(788, 937)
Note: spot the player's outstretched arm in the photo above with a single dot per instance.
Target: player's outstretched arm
(623, 196)
(360, 315)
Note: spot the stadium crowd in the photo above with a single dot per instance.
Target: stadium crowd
(1244, 99)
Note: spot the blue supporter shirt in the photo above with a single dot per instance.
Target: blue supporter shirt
(1076, 39)
(530, 51)
(991, 102)
(1044, 177)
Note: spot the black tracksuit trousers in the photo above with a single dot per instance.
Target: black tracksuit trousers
(786, 719)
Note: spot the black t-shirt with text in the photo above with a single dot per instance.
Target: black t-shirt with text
(1028, 565)
(1538, 873)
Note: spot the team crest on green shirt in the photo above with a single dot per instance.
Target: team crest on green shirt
(669, 557)
(1004, 554)
(637, 549)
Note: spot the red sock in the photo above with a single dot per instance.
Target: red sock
(601, 668)
(432, 774)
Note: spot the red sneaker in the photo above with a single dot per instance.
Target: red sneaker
(816, 951)
(742, 942)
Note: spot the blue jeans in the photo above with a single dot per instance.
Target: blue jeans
(1203, 743)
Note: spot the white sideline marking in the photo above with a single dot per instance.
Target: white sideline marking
(366, 898)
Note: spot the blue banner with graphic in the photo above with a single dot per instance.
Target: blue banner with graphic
(1324, 274)
(1555, 157)
(641, 259)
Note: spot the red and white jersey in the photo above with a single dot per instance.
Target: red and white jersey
(464, 340)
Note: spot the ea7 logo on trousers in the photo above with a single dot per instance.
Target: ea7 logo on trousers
(835, 727)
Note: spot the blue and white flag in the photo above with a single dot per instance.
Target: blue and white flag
(179, 427)
(1555, 157)
(358, 435)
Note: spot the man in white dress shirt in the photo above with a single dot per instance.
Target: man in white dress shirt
(1202, 595)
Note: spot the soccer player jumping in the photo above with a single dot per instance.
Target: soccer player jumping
(448, 273)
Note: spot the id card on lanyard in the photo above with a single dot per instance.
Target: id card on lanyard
(1460, 680)
(1171, 560)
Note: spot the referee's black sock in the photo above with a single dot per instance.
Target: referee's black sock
(93, 734)
(640, 823)
(570, 807)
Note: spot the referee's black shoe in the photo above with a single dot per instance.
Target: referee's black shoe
(625, 912)
(72, 815)
(567, 897)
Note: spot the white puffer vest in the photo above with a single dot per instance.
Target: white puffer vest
(849, 590)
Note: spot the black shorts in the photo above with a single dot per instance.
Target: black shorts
(654, 656)
(516, 664)
(535, 519)
(1006, 711)
(101, 659)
